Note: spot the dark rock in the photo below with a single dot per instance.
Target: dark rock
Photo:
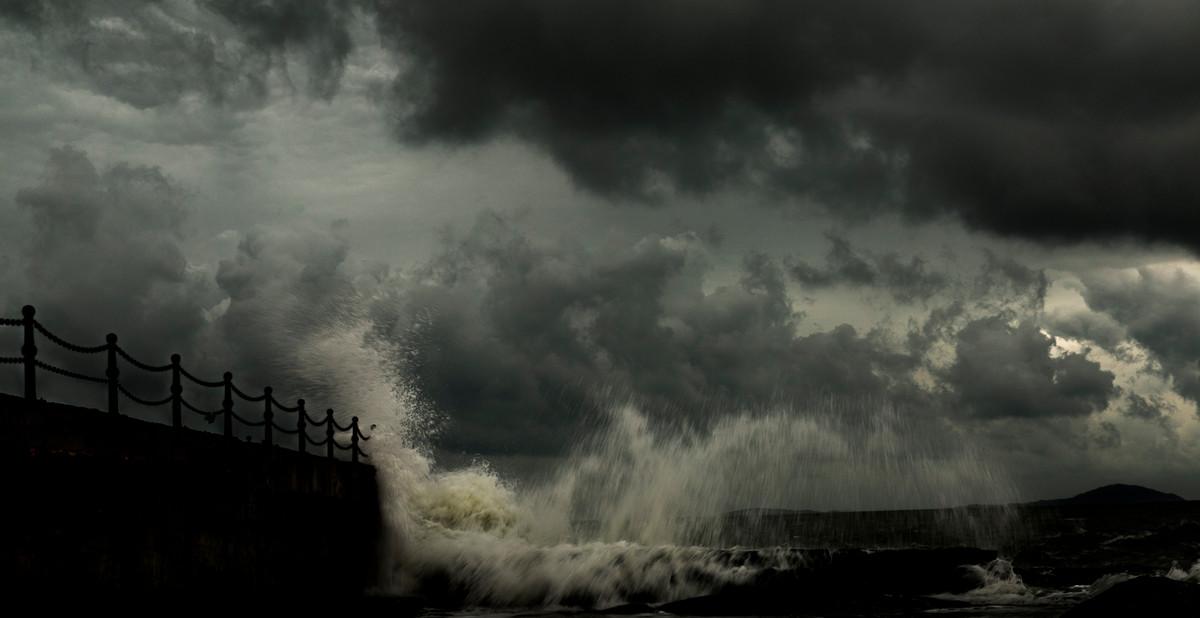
(391, 606)
(1144, 596)
(628, 609)
(852, 582)
(723, 604)
(805, 602)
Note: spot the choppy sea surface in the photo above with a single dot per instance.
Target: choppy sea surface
(1050, 559)
(643, 517)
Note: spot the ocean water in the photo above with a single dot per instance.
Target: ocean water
(840, 507)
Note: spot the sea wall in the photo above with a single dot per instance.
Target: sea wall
(105, 503)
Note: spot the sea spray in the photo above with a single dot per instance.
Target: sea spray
(996, 583)
(464, 537)
(631, 482)
(1191, 574)
(635, 513)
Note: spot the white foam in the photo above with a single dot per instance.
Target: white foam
(1191, 574)
(470, 535)
(998, 583)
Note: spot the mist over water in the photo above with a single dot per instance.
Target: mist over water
(634, 513)
(633, 482)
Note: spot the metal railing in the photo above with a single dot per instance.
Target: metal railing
(112, 379)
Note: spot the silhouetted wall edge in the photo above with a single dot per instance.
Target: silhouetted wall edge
(99, 502)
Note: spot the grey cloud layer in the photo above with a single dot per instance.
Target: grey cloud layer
(1001, 370)
(509, 337)
(1061, 120)
(104, 252)
(513, 338)
(1158, 310)
(517, 336)
(319, 29)
(906, 280)
(1057, 120)
(153, 54)
(1066, 120)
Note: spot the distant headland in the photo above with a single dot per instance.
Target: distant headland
(1116, 494)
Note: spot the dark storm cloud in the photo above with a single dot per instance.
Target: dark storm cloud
(150, 54)
(622, 93)
(514, 338)
(24, 12)
(104, 254)
(1002, 289)
(1009, 280)
(1085, 325)
(1001, 370)
(905, 280)
(514, 341)
(1157, 307)
(511, 338)
(318, 29)
(1108, 436)
(1152, 408)
(1061, 120)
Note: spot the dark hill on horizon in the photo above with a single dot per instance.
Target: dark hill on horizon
(1116, 493)
(1119, 511)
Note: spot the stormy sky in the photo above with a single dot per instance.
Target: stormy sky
(982, 211)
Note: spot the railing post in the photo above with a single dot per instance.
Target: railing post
(329, 433)
(113, 374)
(354, 439)
(301, 427)
(227, 405)
(268, 414)
(176, 393)
(29, 353)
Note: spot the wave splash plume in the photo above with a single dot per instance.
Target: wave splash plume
(637, 512)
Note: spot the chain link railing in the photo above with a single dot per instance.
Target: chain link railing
(111, 379)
